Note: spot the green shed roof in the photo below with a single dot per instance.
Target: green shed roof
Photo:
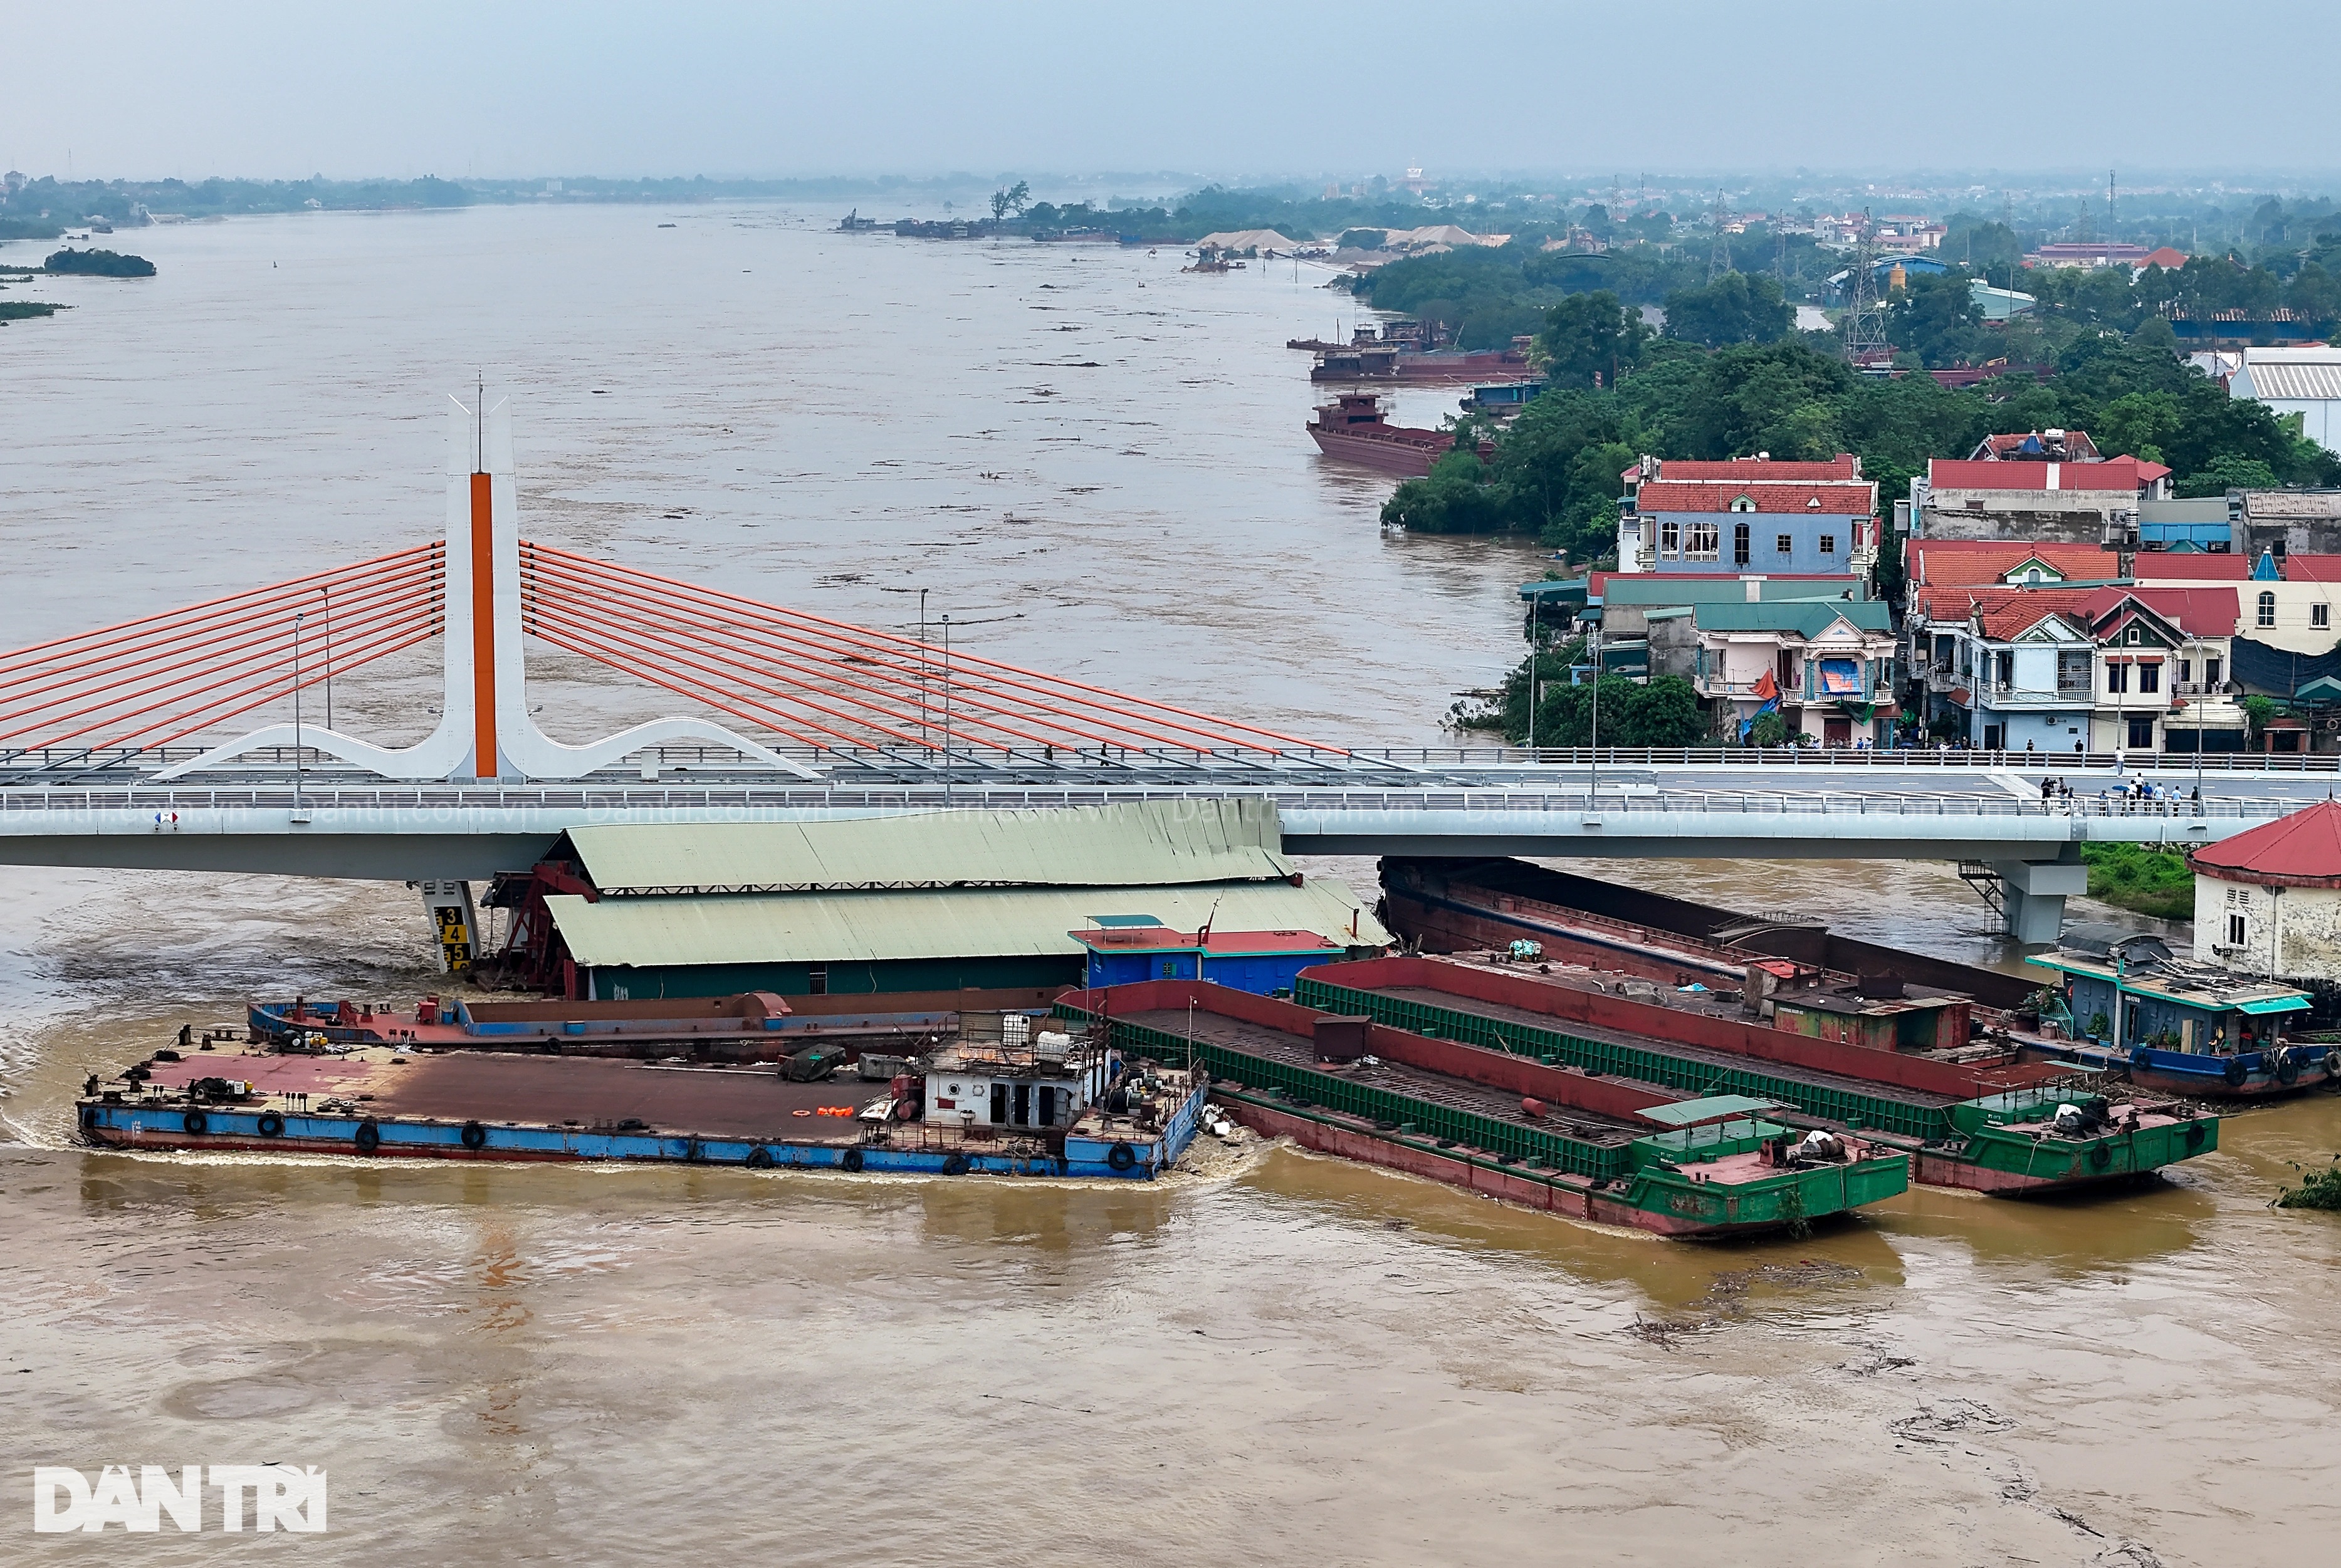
(1807, 618)
(1714, 1107)
(834, 928)
(1146, 843)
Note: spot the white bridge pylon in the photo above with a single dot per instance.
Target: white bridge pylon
(485, 731)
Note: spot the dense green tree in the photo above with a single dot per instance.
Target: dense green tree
(1937, 318)
(1589, 339)
(1734, 309)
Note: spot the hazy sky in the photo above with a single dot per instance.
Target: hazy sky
(138, 88)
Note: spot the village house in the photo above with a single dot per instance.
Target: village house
(2039, 499)
(1825, 666)
(2080, 668)
(1749, 517)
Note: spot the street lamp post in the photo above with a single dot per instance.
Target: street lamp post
(1593, 775)
(296, 713)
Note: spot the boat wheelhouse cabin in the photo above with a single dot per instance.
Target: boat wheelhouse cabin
(2126, 989)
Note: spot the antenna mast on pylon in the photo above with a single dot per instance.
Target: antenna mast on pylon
(1864, 324)
(1719, 262)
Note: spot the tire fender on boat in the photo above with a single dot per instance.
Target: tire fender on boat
(2333, 1064)
(760, 1159)
(474, 1135)
(2234, 1072)
(270, 1125)
(954, 1165)
(1121, 1157)
(850, 1160)
(196, 1123)
(89, 1119)
(368, 1137)
(2100, 1157)
(2287, 1067)
(2139, 1060)
(2195, 1134)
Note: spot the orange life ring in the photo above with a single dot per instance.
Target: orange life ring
(800, 1113)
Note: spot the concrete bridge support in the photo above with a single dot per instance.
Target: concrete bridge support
(2033, 894)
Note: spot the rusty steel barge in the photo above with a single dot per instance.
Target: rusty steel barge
(1658, 1159)
(1981, 1120)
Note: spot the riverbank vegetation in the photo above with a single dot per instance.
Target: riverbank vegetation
(2318, 1189)
(1663, 712)
(27, 310)
(2143, 880)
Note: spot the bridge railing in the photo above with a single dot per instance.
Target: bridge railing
(35, 766)
(167, 805)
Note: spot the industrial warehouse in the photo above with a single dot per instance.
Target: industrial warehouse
(935, 902)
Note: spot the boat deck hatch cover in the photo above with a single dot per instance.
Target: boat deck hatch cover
(1714, 1108)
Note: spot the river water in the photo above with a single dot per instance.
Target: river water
(1277, 1356)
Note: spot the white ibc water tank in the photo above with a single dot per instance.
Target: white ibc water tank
(1053, 1045)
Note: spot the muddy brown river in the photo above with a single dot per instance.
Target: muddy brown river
(1096, 465)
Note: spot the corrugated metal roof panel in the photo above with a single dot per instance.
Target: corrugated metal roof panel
(1147, 842)
(998, 922)
(2293, 381)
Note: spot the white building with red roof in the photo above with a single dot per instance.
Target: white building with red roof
(1749, 517)
(2268, 901)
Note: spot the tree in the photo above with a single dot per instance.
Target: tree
(2228, 472)
(1734, 309)
(1455, 497)
(1014, 199)
(1589, 339)
(1937, 318)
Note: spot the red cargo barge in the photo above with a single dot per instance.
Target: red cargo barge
(1355, 430)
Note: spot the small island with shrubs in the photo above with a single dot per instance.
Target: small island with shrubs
(97, 264)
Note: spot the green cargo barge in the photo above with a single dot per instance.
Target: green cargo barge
(2016, 1142)
(1615, 1153)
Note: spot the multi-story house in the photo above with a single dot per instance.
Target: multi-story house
(1826, 666)
(2102, 668)
(1749, 516)
(2034, 500)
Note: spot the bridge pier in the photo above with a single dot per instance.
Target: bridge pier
(2033, 894)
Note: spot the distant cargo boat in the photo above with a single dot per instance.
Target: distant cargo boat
(854, 223)
(1354, 430)
(1387, 361)
(999, 1098)
(1680, 1165)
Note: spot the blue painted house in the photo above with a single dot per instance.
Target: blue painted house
(1749, 517)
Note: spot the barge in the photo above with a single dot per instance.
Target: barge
(2006, 1129)
(1354, 429)
(1001, 1100)
(745, 1028)
(1677, 1163)
(1444, 904)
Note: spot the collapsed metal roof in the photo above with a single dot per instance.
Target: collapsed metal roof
(1142, 844)
(843, 928)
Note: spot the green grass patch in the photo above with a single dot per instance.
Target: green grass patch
(2146, 881)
